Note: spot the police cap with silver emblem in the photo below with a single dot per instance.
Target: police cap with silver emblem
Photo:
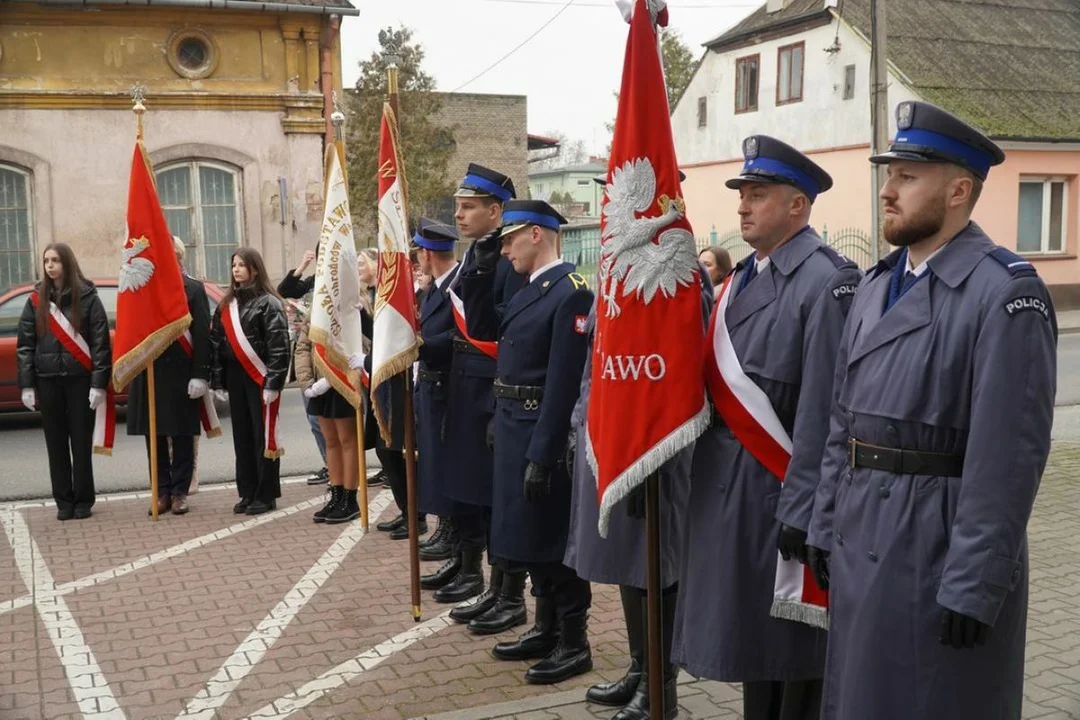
(519, 214)
(926, 133)
(480, 181)
(435, 236)
(768, 160)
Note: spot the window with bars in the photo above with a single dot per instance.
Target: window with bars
(1043, 208)
(746, 83)
(203, 207)
(789, 74)
(16, 228)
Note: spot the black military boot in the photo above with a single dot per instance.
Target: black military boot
(347, 509)
(444, 575)
(336, 492)
(571, 656)
(638, 707)
(472, 610)
(469, 581)
(508, 610)
(442, 548)
(536, 643)
(439, 536)
(618, 693)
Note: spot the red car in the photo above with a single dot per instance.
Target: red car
(12, 303)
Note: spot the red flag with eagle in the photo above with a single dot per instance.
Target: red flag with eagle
(151, 307)
(394, 346)
(649, 342)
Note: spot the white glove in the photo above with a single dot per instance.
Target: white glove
(269, 396)
(221, 396)
(356, 362)
(97, 396)
(196, 388)
(319, 387)
(29, 398)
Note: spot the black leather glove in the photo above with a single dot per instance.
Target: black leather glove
(488, 250)
(636, 501)
(489, 435)
(792, 543)
(537, 482)
(818, 561)
(571, 452)
(962, 631)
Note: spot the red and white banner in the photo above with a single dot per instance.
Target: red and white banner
(394, 345)
(76, 345)
(488, 347)
(750, 416)
(646, 365)
(208, 417)
(256, 370)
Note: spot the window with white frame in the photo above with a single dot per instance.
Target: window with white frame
(16, 228)
(1043, 209)
(203, 206)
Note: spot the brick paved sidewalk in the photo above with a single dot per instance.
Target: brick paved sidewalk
(214, 615)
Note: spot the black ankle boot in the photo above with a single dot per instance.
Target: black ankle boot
(638, 707)
(536, 643)
(483, 603)
(570, 658)
(618, 693)
(347, 509)
(469, 581)
(508, 610)
(391, 525)
(443, 576)
(435, 537)
(337, 492)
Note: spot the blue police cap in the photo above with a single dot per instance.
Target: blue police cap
(768, 160)
(519, 214)
(479, 181)
(602, 178)
(926, 133)
(432, 235)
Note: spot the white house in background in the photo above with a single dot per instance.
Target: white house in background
(800, 71)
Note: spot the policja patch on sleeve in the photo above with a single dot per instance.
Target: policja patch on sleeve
(1027, 303)
(844, 290)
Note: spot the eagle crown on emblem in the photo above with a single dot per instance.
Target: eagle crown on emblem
(135, 271)
(629, 253)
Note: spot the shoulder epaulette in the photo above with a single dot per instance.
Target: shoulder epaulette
(578, 280)
(1012, 262)
(840, 261)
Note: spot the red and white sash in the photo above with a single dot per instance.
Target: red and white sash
(207, 412)
(749, 414)
(365, 379)
(488, 347)
(256, 370)
(76, 345)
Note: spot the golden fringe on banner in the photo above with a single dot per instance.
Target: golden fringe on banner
(336, 361)
(135, 360)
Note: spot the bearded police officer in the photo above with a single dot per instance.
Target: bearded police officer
(938, 440)
(543, 344)
(782, 316)
(479, 204)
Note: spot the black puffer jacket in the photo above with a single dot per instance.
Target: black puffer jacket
(44, 356)
(262, 317)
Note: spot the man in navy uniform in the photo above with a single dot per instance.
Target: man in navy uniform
(435, 255)
(938, 440)
(479, 204)
(543, 344)
(790, 298)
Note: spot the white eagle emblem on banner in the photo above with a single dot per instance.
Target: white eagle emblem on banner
(135, 271)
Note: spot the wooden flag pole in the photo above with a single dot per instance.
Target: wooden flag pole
(151, 396)
(656, 638)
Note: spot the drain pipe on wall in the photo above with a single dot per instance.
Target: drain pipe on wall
(327, 76)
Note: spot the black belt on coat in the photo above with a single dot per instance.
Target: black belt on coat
(904, 462)
(432, 376)
(518, 392)
(464, 346)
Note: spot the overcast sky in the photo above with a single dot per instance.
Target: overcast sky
(568, 71)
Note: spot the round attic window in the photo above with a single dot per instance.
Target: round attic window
(192, 54)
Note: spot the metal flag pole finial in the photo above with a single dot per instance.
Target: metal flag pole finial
(337, 118)
(138, 94)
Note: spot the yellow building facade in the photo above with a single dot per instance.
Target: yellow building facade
(238, 96)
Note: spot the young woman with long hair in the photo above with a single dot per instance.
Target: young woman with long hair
(249, 342)
(65, 360)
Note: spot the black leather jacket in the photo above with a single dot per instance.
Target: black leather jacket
(263, 320)
(44, 356)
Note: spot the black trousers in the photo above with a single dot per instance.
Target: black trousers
(393, 464)
(257, 476)
(572, 595)
(174, 474)
(68, 422)
(795, 700)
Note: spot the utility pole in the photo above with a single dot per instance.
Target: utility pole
(879, 118)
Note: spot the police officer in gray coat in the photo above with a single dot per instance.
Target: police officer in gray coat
(938, 440)
(785, 320)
